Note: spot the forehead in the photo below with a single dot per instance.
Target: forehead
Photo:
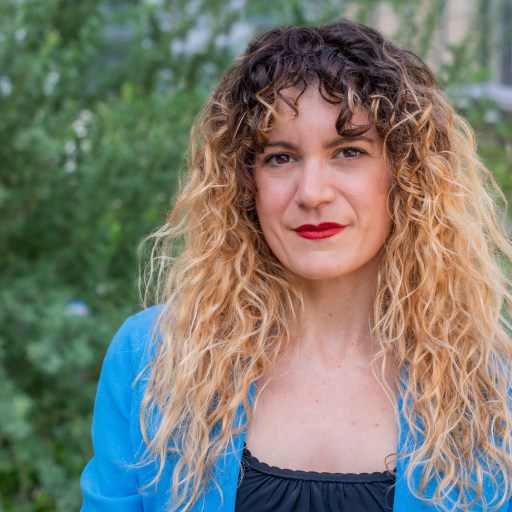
(295, 106)
(304, 100)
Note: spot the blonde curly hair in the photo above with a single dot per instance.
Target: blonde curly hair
(443, 295)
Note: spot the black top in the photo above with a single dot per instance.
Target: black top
(265, 488)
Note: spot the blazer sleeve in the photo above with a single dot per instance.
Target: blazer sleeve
(109, 482)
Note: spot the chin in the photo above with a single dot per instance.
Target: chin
(318, 274)
(335, 271)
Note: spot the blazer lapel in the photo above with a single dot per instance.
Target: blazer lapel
(227, 470)
(405, 501)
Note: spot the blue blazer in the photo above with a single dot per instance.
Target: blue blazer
(111, 481)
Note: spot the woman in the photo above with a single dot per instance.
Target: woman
(330, 336)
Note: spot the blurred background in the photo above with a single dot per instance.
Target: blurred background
(96, 102)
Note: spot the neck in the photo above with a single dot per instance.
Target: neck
(338, 318)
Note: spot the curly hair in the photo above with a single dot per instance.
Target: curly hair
(443, 295)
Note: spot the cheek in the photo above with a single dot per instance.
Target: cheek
(271, 199)
(378, 190)
(261, 209)
(382, 212)
(374, 205)
(370, 192)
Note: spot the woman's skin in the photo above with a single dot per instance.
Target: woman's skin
(321, 408)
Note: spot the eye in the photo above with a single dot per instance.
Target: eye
(350, 153)
(278, 159)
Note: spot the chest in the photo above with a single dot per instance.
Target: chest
(336, 421)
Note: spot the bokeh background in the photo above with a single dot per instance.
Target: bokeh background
(96, 102)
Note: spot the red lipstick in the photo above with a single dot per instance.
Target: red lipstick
(323, 230)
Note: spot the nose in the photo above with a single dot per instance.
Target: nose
(314, 187)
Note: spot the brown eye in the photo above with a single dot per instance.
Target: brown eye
(350, 153)
(282, 159)
(279, 159)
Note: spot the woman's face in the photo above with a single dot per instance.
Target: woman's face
(322, 200)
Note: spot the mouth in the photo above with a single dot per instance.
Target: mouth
(323, 230)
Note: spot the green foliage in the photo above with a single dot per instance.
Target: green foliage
(493, 130)
(97, 99)
(87, 166)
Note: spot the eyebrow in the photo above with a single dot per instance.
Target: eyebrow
(329, 145)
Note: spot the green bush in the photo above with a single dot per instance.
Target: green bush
(87, 163)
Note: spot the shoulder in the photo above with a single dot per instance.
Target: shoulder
(112, 477)
(125, 370)
(133, 345)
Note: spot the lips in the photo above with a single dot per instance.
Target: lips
(323, 230)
